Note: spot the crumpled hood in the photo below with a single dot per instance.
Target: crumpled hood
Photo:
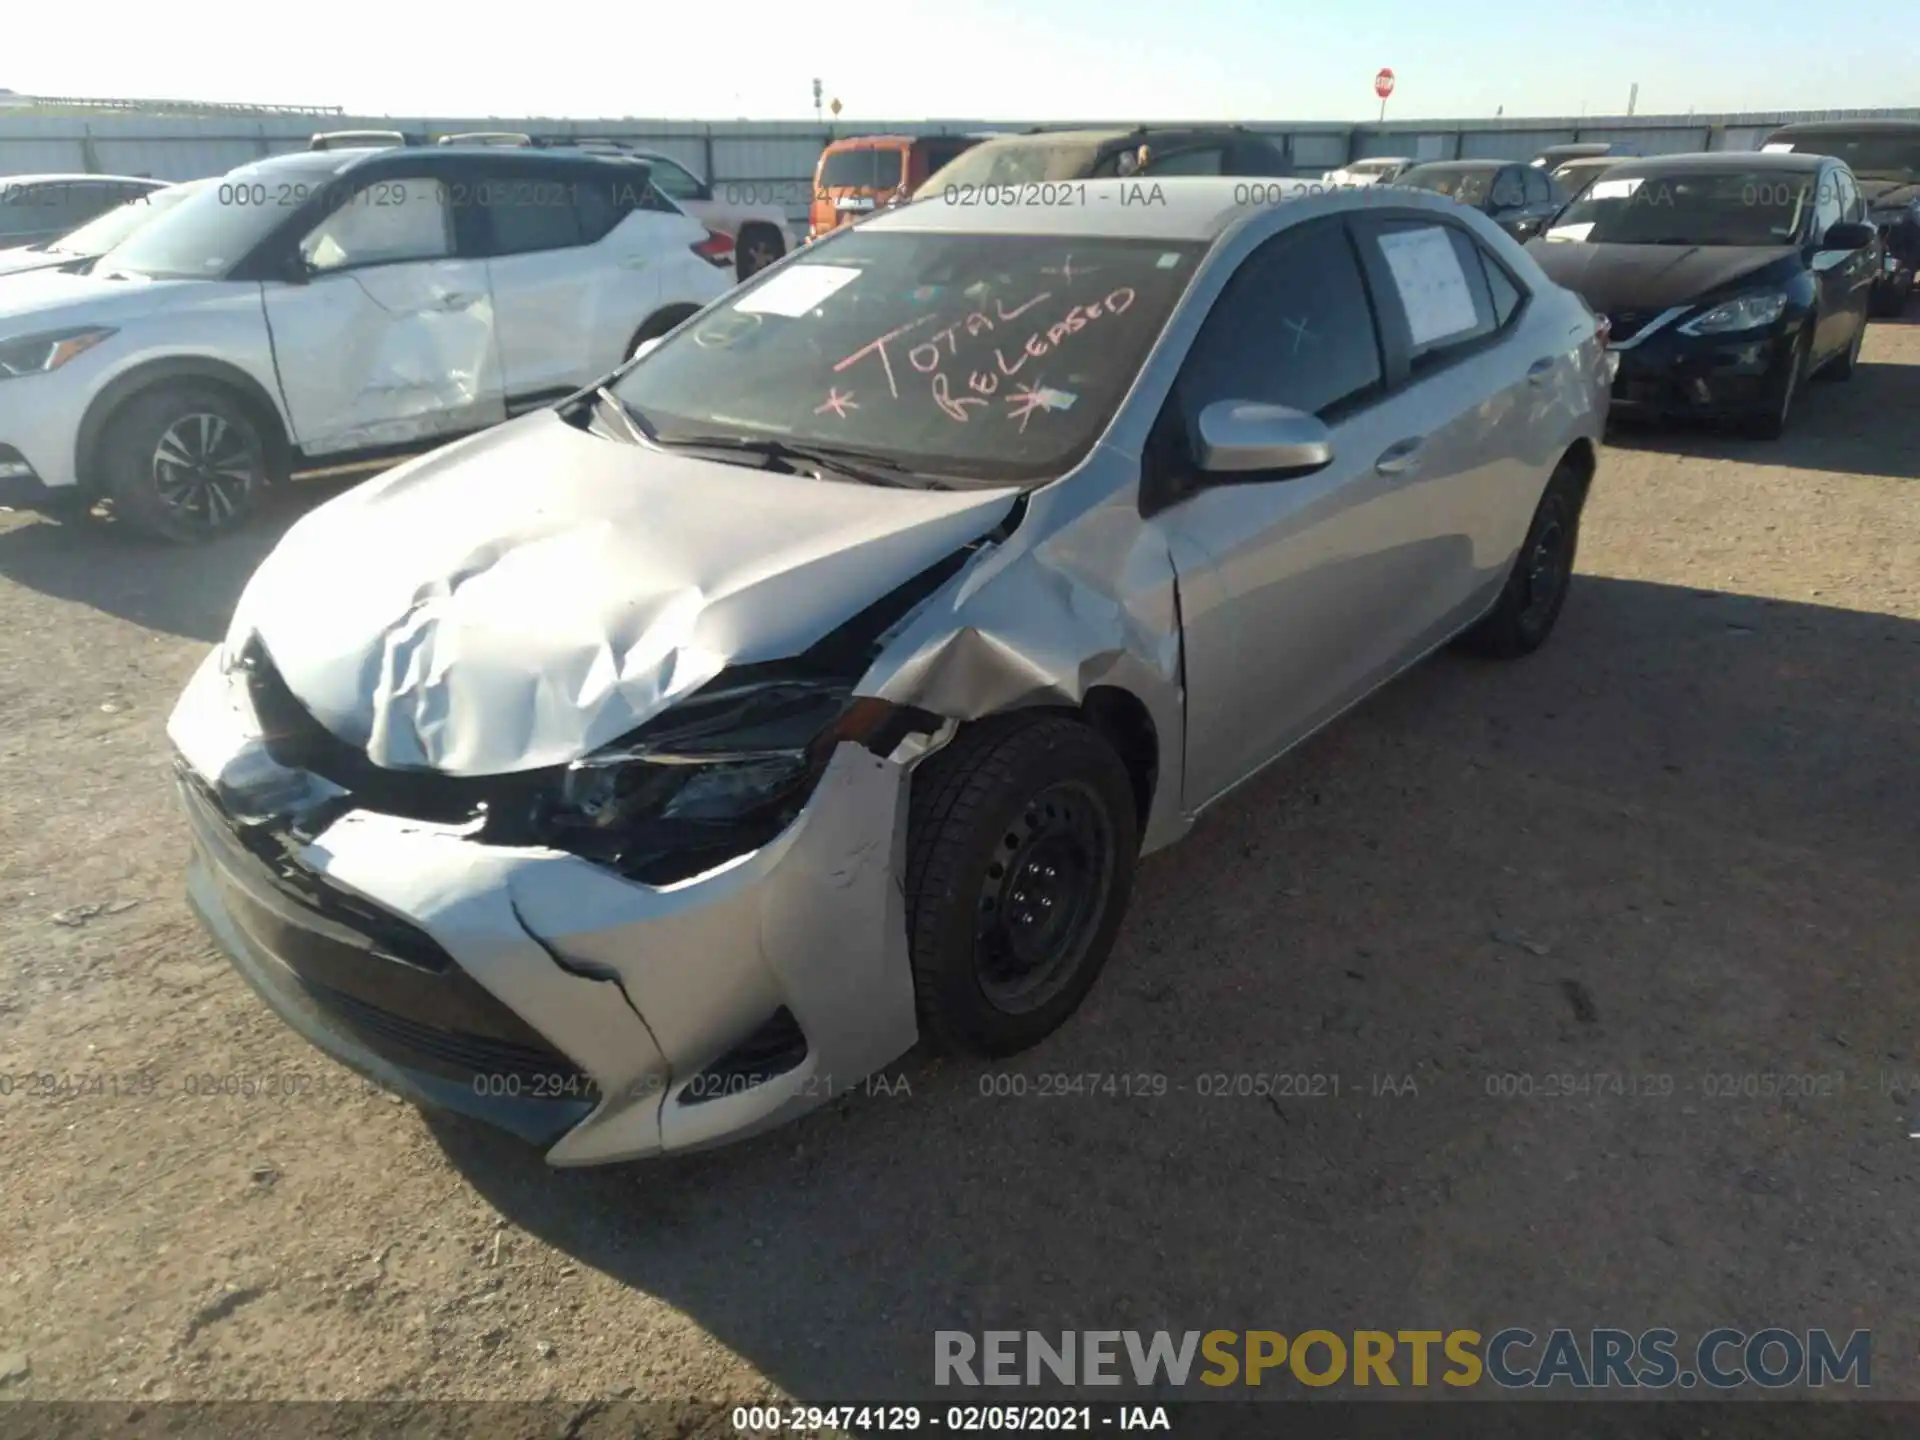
(49, 299)
(524, 596)
(1616, 278)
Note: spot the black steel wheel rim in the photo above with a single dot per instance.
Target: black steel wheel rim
(1549, 561)
(204, 467)
(1044, 891)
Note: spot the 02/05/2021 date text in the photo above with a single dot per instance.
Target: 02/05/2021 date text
(1665, 1085)
(1155, 1085)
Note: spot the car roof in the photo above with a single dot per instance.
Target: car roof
(1847, 127)
(1469, 164)
(339, 162)
(1113, 134)
(863, 142)
(1709, 160)
(1181, 207)
(15, 181)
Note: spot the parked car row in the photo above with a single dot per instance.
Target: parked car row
(1726, 279)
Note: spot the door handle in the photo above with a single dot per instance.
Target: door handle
(453, 300)
(1400, 458)
(1538, 372)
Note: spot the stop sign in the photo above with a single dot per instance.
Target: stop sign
(1383, 83)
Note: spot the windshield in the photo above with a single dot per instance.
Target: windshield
(1724, 207)
(986, 357)
(1467, 184)
(1574, 173)
(1016, 162)
(209, 231)
(869, 168)
(97, 237)
(1872, 157)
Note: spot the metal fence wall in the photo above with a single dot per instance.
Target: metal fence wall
(780, 155)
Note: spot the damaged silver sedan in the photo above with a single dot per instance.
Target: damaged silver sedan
(645, 771)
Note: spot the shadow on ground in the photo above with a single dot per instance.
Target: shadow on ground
(186, 590)
(1673, 845)
(1868, 425)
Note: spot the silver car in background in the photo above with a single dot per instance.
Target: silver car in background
(645, 771)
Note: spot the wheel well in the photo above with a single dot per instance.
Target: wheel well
(242, 386)
(660, 322)
(1122, 721)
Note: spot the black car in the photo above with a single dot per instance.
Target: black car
(1520, 199)
(1727, 278)
(1051, 155)
(1884, 156)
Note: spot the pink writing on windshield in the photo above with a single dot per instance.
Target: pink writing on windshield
(838, 403)
(955, 406)
(880, 346)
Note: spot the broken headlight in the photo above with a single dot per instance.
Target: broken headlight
(719, 774)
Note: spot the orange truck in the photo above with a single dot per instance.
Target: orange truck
(865, 173)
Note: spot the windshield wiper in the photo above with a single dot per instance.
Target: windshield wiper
(861, 465)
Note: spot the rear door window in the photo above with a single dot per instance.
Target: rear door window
(1437, 279)
(529, 210)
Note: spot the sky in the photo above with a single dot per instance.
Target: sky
(1039, 60)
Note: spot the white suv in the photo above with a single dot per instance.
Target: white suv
(329, 307)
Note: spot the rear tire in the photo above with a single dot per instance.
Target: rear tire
(185, 461)
(1021, 841)
(1542, 574)
(757, 247)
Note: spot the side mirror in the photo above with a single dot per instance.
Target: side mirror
(297, 271)
(1241, 437)
(1849, 235)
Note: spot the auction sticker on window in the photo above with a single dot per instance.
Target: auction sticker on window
(1432, 286)
(796, 290)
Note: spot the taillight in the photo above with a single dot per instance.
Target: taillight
(716, 249)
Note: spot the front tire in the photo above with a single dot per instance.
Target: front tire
(185, 462)
(1542, 574)
(1022, 838)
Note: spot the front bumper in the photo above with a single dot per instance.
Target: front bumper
(1666, 373)
(594, 1016)
(40, 418)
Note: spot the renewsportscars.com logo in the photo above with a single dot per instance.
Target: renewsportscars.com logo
(1513, 1358)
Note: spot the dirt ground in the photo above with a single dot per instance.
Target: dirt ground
(1680, 842)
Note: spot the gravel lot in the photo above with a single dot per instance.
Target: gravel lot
(1678, 842)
